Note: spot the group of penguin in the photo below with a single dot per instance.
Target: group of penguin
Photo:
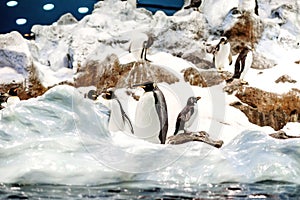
(9, 98)
(222, 56)
(151, 116)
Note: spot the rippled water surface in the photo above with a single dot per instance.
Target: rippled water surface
(153, 190)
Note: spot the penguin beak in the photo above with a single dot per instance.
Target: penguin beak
(139, 85)
(198, 98)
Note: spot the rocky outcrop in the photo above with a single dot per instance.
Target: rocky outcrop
(246, 31)
(234, 85)
(201, 136)
(269, 109)
(282, 135)
(262, 62)
(204, 78)
(285, 78)
(110, 73)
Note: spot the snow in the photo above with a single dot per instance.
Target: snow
(71, 131)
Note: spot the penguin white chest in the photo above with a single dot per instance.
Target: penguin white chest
(137, 44)
(248, 63)
(116, 122)
(12, 100)
(147, 124)
(221, 57)
(188, 125)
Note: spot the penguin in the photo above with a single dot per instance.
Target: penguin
(118, 120)
(187, 115)
(242, 64)
(151, 118)
(222, 54)
(12, 97)
(140, 45)
(194, 4)
(3, 99)
(249, 5)
(92, 94)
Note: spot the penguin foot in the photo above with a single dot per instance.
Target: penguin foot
(244, 82)
(229, 80)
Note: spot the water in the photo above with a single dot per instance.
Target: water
(153, 190)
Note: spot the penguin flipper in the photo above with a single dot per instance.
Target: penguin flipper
(179, 125)
(129, 122)
(125, 116)
(161, 108)
(230, 58)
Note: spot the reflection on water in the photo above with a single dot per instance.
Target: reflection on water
(153, 190)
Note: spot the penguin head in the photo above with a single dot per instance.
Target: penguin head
(92, 94)
(223, 40)
(193, 100)
(109, 94)
(13, 91)
(147, 86)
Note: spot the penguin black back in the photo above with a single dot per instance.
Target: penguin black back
(160, 106)
(240, 62)
(186, 114)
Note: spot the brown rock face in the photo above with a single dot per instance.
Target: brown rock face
(110, 73)
(32, 87)
(247, 31)
(204, 78)
(269, 109)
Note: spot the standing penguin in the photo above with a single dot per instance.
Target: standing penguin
(188, 115)
(248, 5)
(222, 54)
(140, 44)
(118, 120)
(242, 64)
(151, 118)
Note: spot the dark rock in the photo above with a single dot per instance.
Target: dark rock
(282, 135)
(201, 136)
(285, 78)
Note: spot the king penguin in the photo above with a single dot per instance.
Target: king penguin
(222, 54)
(242, 64)
(118, 120)
(151, 117)
(188, 115)
(140, 44)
